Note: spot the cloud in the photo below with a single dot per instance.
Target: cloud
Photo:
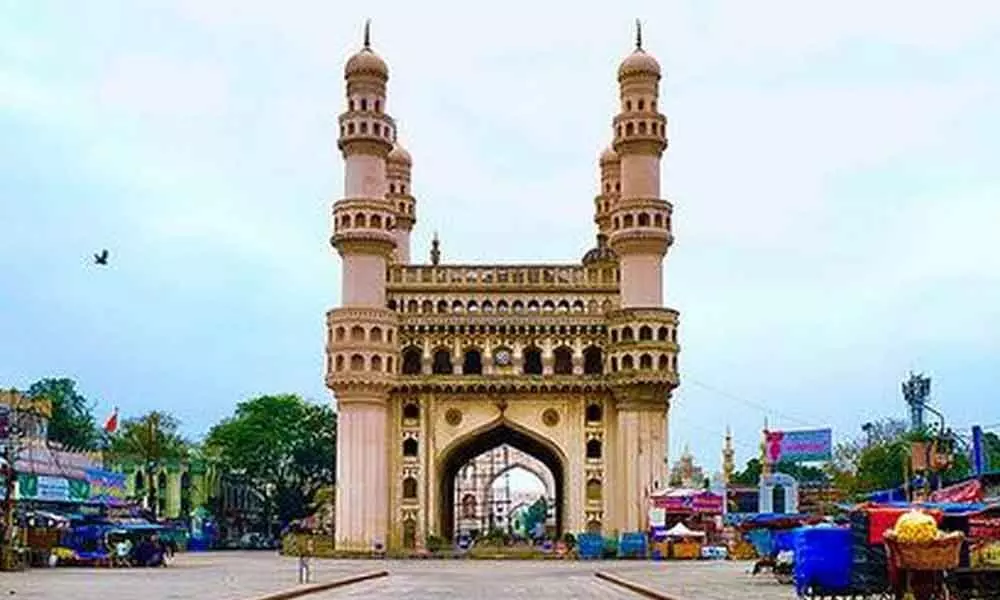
(832, 169)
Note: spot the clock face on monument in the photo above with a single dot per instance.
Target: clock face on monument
(502, 358)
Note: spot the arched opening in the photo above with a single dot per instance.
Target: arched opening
(532, 361)
(412, 306)
(593, 361)
(413, 360)
(645, 361)
(645, 333)
(563, 361)
(161, 494)
(627, 334)
(442, 306)
(357, 333)
(594, 449)
(627, 363)
(376, 363)
(485, 441)
(410, 447)
(473, 362)
(411, 411)
(339, 362)
(339, 334)
(662, 333)
(185, 494)
(410, 488)
(778, 499)
(357, 362)
(664, 363)
(442, 362)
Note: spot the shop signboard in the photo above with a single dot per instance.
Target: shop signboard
(806, 445)
(47, 488)
(105, 487)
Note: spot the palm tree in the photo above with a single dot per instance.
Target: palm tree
(149, 441)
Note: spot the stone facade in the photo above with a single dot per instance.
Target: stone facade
(434, 364)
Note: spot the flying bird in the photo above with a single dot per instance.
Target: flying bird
(101, 258)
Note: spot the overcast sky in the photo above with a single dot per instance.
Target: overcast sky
(833, 169)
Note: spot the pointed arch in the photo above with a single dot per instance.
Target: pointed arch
(413, 361)
(562, 360)
(593, 361)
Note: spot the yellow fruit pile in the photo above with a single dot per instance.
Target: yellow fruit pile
(915, 527)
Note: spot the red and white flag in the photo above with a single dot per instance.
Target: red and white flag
(111, 425)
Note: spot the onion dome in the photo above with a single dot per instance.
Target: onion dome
(398, 155)
(601, 253)
(366, 62)
(609, 156)
(638, 63)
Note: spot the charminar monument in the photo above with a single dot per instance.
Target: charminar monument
(434, 364)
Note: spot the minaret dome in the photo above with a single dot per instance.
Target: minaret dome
(365, 61)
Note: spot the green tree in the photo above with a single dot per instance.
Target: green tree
(72, 423)
(991, 445)
(284, 445)
(148, 441)
(750, 475)
(537, 513)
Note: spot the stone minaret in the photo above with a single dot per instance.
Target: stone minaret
(641, 327)
(728, 458)
(400, 195)
(640, 222)
(611, 185)
(361, 353)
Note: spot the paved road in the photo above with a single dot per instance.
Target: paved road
(249, 575)
(460, 580)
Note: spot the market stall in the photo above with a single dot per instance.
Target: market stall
(683, 542)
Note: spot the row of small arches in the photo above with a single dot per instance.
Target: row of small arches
(372, 221)
(645, 363)
(402, 190)
(377, 129)
(640, 105)
(531, 361)
(645, 334)
(501, 306)
(607, 189)
(483, 329)
(643, 128)
(356, 362)
(362, 105)
(357, 333)
(659, 220)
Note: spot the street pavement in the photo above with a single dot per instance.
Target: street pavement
(249, 575)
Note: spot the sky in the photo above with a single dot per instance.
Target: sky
(833, 169)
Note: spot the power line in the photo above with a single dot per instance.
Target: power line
(757, 405)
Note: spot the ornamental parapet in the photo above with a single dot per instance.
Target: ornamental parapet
(363, 224)
(643, 340)
(502, 384)
(363, 132)
(459, 278)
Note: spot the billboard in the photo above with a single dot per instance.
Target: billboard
(807, 445)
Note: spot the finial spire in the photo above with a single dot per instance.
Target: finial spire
(638, 34)
(368, 34)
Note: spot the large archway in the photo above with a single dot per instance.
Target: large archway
(501, 433)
